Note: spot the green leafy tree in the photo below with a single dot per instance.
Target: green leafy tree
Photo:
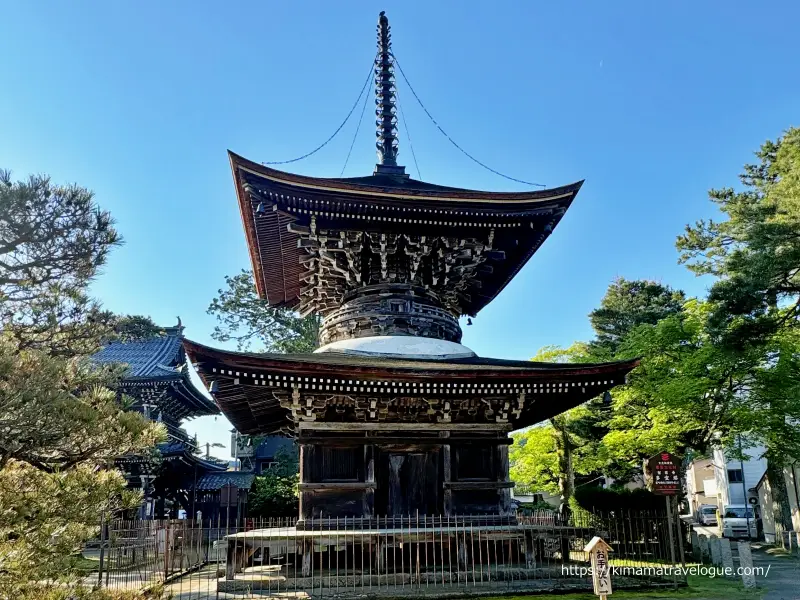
(61, 422)
(130, 328)
(274, 493)
(245, 318)
(564, 447)
(564, 428)
(686, 394)
(42, 529)
(587, 440)
(754, 253)
(692, 393)
(58, 413)
(626, 305)
(53, 239)
(533, 460)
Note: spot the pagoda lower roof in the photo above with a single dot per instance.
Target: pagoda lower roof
(284, 215)
(246, 382)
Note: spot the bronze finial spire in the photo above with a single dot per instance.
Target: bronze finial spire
(385, 97)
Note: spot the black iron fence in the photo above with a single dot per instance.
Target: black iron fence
(384, 556)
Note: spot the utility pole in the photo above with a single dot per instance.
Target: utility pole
(236, 450)
(744, 487)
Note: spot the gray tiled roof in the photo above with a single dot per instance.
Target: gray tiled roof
(159, 359)
(215, 481)
(186, 450)
(154, 357)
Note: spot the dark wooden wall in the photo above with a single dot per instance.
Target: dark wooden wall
(360, 473)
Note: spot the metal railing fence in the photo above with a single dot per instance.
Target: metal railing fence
(391, 556)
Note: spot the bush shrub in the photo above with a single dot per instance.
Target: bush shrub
(604, 500)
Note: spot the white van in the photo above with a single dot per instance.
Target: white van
(707, 515)
(735, 518)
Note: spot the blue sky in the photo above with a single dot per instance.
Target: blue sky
(651, 103)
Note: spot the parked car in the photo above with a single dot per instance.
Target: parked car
(735, 519)
(707, 514)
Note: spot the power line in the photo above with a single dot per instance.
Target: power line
(451, 140)
(360, 120)
(338, 129)
(408, 133)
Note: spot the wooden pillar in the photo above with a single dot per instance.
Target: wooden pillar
(237, 556)
(242, 553)
(447, 476)
(230, 560)
(530, 552)
(369, 479)
(502, 477)
(396, 507)
(308, 554)
(306, 471)
(463, 553)
(380, 555)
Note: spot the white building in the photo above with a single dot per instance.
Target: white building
(722, 481)
(769, 504)
(737, 480)
(701, 484)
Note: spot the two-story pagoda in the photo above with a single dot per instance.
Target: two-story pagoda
(393, 415)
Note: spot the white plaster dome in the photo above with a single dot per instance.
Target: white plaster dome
(399, 346)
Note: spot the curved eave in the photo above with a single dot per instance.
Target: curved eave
(247, 383)
(180, 386)
(209, 465)
(202, 405)
(249, 230)
(421, 191)
(343, 365)
(188, 458)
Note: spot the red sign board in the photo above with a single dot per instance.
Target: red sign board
(665, 471)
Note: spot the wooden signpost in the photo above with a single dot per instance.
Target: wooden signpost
(665, 471)
(598, 551)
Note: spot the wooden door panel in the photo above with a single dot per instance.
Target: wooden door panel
(410, 483)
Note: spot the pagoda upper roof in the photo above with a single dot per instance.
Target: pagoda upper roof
(279, 209)
(246, 383)
(396, 187)
(160, 361)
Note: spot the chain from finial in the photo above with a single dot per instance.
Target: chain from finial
(385, 97)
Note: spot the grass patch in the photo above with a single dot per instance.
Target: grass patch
(85, 565)
(718, 587)
(39, 592)
(698, 588)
